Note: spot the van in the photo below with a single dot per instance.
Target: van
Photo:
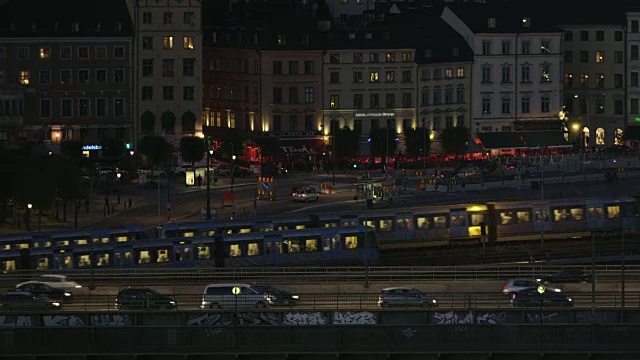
(221, 296)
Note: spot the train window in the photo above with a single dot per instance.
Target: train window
(104, 240)
(283, 227)
(326, 244)
(440, 222)
(264, 229)
(515, 217)
(613, 212)
(103, 260)
(278, 249)
(310, 245)
(6, 247)
(81, 242)
(594, 213)
(294, 245)
(228, 231)
(163, 256)
(423, 223)
(330, 224)
(350, 242)
(84, 261)
(23, 246)
(300, 227)
(234, 250)
(204, 252)
(121, 238)
(542, 215)
(349, 222)
(62, 243)
(253, 249)
(405, 224)
(210, 233)
(245, 230)
(145, 258)
(386, 225)
(568, 214)
(335, 242)
(43, 263)
(476, 219)
(9, 265)
(524, 217)
(458, 220)
(189, 234)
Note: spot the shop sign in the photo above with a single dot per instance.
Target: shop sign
(303, 149)
(91, 147)
(375, 114)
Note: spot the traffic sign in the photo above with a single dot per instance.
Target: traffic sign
(236, 290)
(265, 185)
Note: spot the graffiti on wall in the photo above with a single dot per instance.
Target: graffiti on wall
(110, 320)
(62, 320)
(464, 318)
(15, 321)
(289, 318)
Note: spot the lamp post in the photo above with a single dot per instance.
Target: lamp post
(209, 153)
(233, 171)
(28, 217)
(542, 197)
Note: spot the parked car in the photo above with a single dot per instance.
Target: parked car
(515, 285)
(152, 173)
(533, 298)
(58, 281)
(306, 195)
(406, 297)
(279, 297)
(39, 288)
(144, 299)
(25, 301)
(567, 277)
(219, 296)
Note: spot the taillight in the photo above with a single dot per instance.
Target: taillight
(202, 297)
(506, 287)
(116, 300)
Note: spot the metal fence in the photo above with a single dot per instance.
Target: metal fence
(353, 301)
(360, 274)
(320, 339)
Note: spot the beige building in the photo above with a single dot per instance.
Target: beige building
(168, 65)
(594, 83)
(633, 66)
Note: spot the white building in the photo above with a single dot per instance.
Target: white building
(517, 76)
(168, 67)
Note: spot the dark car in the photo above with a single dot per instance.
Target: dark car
(40, 289)
(567, 277)
(25, 301)
(279, 297)
(405, 297)
(144, 299)
(533, 298)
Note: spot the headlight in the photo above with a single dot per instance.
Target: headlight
(434, 301)
(569, 299)
(557, 290)
(78, 286)
(55, 304)
(295, 297)
(67, 294)
(172, 302)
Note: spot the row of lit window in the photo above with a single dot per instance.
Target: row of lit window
(44, 52)
(167, 43)
(66, 77)
(618, 80)
(373, 58)
(525, 47)
(525, 73)
(188, 18)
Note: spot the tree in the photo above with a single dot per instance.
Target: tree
(192, 149)
(346, 144)
(231, 144)
(154, 150)
(382, 142)
(71, 148)
(416, 140)
(455, 140)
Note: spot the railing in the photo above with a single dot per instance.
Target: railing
(225, 339)
(348, 301)
(360, 274)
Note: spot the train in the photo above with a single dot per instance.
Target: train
(425, 226)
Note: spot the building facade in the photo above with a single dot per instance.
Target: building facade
(168, 65)
(594, 84)
(516, 75)
(633, 67)
(66, 80)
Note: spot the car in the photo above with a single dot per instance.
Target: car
(39, 288)
(229, 296)
(515, 285)
(306, 195)
(533, 298)
(567, 277)
(25, 301)
(406, 297)
(58, 281)
(144, 299)
(279, 297)
(152, 172)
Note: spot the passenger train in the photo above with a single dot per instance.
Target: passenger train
(425, 226)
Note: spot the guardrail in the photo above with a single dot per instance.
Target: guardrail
(351, 301)
(361, 274)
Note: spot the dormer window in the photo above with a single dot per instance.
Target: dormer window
(34, 26)
(526, 22)
(368, 36)
(352, 36)
(427, 53)
(75, 27)
(281, 39)
(98, 26)
(455, 51)
(491, 23)
(118, 26)
(386, 35)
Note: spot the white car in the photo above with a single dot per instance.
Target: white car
(515, 285)
(57, 281)
(306, 195)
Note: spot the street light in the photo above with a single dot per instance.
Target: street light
(233, 171)
(132, 153)
(209, 153)
(28, 217)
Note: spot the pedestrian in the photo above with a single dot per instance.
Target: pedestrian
(199, 181)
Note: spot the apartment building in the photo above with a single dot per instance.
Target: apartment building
(594, 83)
(633, 67)
(168, 64)
(517, 74)
(65, 72)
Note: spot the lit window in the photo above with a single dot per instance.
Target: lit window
(45, 52)
(24, 77)
(167, 42)
(187, 42)
(599, 56)
(374, 76)
(460, 73)
(334, 102)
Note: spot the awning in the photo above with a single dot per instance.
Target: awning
(522, 140)
(299, 146)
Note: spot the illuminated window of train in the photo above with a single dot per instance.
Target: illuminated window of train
(62, 243)
(6, 247)
(163, 256)
(386, 225)
(476, 219)
(81, 242)
(145, 258)
(542, 215)
(335, 241)
(84, 261)
(9, 265)
(264, 229)
(405, 224)
(458, 220)
(300, 227)
(613, 212)
(253, 249)
(204, 252)
(211, 232)
(294, 246)
(103, 260)
(524, 217)
(350, 223)
(234, 250)
(64, 262)
(326, 244)
(245, 230)
(310, 245)
(283, 227)
(577, 214)
(350, 242)
(330, 225)
(594, 213)
(440, 222)
(189, 234)
(423, 223)
(507, 217)
(121, 238)
(278, 247)
(43, 263)
(23, 246)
